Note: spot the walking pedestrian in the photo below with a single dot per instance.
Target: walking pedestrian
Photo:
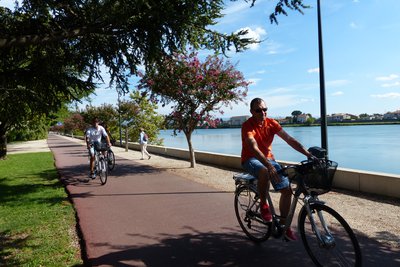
(143, 139)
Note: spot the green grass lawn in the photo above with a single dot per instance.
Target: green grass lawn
(37, 221)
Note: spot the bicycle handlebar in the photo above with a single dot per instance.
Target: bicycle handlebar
(307, 165)
(98, 147)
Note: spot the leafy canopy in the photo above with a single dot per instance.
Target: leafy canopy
(52, 50)
(194, 89)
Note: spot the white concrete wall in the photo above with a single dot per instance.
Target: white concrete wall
(355, 180)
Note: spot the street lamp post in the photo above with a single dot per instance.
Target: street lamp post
(324, 135)
(119, 117)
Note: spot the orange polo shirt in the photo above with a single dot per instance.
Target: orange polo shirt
(263, 134)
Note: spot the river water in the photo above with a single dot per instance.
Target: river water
(367, 147)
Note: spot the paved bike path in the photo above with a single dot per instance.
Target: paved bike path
(147, 217)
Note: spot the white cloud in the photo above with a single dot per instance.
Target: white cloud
(274, 48)
(337, 83)
(338, 93)
(387, 95)
(354, 25)
(314, 70)
(387, 78)
(278, 90)
(236, 7)
(391, 84)
(255, 34)
(254, 81)
(280, 101)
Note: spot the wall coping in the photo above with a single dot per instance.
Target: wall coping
(379, 183)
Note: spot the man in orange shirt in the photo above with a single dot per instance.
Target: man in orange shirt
(257, 135)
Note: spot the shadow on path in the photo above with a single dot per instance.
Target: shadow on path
(148, 217)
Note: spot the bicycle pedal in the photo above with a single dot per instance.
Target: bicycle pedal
(278, 232)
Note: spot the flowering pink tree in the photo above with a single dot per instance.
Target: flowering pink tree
(195, 90)
(74, 123)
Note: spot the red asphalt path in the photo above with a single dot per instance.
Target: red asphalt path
(147, 217)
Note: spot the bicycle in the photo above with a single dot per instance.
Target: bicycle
(110, 159)
(326, 236)
(100, 163)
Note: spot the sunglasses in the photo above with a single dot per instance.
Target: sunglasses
(259, 110)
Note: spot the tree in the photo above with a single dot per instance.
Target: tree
(35, 128)
(106, 113)
(280, 8)
(141, 113)
(310, 120)
(118, 34)
(74, 124)
(51, 51)
(34, 82)
(295, 114)
(137, 112)
(195, 89)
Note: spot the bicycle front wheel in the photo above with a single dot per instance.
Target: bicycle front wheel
(337, 245)
(103, 173)
(247, 209)
(111, 160)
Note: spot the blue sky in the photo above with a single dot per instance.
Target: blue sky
(362, 62)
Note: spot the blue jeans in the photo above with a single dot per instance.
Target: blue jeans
(253, 166)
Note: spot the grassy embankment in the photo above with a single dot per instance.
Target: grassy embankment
(37, 221)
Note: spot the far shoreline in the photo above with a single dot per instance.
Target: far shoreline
(352, 123)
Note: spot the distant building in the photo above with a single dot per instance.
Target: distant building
(374, 117)
(341, 117)
(302, 118)
(238, 120)
(395, 115)
(284, 120)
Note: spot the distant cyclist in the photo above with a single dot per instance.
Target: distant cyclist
(93, 141)
(104, 139)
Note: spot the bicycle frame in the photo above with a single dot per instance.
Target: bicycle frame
(277, 230)
(100, 165)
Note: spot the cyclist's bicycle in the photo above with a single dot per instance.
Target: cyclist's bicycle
(100, 163)
(327, 237)
(111, 159)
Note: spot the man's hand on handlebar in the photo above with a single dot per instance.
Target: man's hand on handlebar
(89, 145)
(313, 158)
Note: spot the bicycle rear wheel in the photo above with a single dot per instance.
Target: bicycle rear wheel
(111, 160)
(339, 245)
(103, 171)
(247, 209)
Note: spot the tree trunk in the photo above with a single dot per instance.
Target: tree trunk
(3, 145)
(126, 139)
(191, 150)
